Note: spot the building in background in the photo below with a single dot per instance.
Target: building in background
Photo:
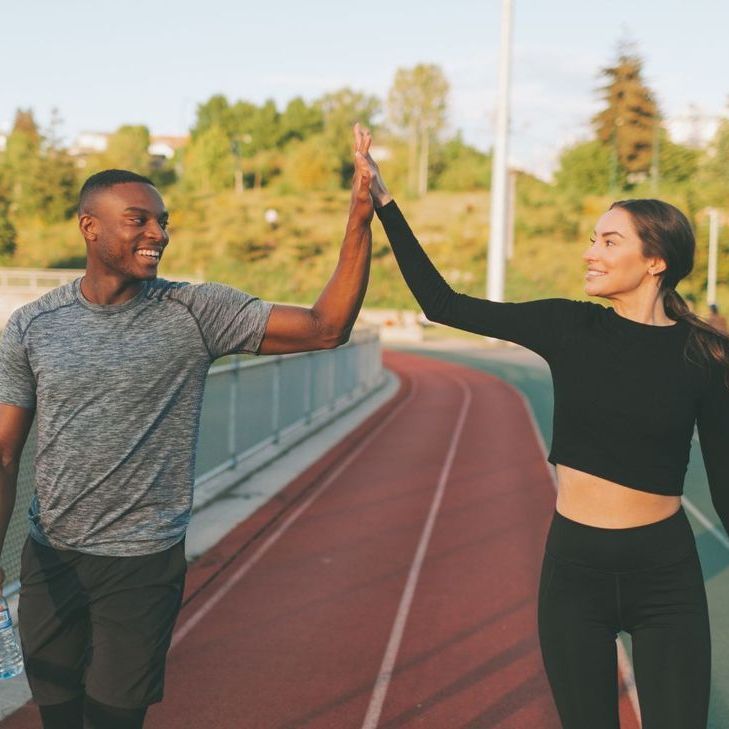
(162, 147)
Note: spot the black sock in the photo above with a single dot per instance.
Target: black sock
(68, 715)
(102, 716)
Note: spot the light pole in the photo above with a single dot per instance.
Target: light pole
(499, 182)
(713, 253)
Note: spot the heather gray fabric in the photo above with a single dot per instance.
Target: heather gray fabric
(118, 391)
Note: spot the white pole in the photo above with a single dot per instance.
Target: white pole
(510, 215)
(713, 253)
(497, 235)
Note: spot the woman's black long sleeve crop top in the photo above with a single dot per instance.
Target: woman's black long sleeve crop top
(625, 398)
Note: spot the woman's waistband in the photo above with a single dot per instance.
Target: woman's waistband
(623, 549)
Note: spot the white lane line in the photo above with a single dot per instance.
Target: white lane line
(217, 596)
(382, 682)
(624, 663)
(700, 516)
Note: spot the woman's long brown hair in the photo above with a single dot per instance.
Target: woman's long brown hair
(666, 233)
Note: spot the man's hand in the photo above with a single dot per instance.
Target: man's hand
(361, 208)
(380, 194)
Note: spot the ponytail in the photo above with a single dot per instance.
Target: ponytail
(706, 342)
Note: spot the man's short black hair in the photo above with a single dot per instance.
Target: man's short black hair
(105, 179)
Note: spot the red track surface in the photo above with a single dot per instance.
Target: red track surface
(299, 602)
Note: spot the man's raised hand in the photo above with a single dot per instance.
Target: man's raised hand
(361, 208)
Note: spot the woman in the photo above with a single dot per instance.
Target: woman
(629, 382)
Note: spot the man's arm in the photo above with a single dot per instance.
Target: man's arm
(329, 322)
(15, 423)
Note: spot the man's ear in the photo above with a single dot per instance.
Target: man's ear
(88, 225)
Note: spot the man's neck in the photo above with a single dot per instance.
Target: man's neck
(105, 290)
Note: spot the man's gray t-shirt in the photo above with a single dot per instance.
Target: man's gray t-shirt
(118, 391)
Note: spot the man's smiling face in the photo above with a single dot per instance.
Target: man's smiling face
(125, 227)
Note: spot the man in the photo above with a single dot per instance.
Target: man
(114, 365)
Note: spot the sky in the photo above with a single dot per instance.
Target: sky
(103, 64)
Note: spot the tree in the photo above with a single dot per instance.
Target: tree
(457, 166)
(215, 112)
(417, 104)
(56, 187)
(41, 178)
(584, 169)
(208, 161)
(300, 120)
(258, 125)
(628, 125)
(340, 110)
(7, 229)
(22, 162)
(311, 165)
(262, 167)
(250, 130)
(713, 174)
(677, 163)
(127, 149)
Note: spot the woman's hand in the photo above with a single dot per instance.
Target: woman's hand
(380, 193)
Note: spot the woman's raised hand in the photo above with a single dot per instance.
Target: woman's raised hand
(380, 193)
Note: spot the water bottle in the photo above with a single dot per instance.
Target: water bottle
(11, 658)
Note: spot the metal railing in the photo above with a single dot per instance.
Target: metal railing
(36, 281)
(250, 404)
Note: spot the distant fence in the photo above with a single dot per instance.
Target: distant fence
(19, 286)
(36, 281)
(250, 405)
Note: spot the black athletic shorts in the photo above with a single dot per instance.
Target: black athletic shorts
(98, 625)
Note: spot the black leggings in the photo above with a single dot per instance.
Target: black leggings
(645, 580)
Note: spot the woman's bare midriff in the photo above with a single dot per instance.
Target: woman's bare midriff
(598, 502)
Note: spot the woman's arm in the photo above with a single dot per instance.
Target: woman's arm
(536, 325)
(713, 426)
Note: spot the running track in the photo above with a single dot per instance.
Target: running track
(393, 584)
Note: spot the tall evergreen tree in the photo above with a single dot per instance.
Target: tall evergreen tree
(40, 175)
(21, 161)
(628, 125)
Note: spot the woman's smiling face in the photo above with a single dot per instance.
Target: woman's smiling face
(615, 261)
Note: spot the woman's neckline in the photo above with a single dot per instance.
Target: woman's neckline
(638, 325)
